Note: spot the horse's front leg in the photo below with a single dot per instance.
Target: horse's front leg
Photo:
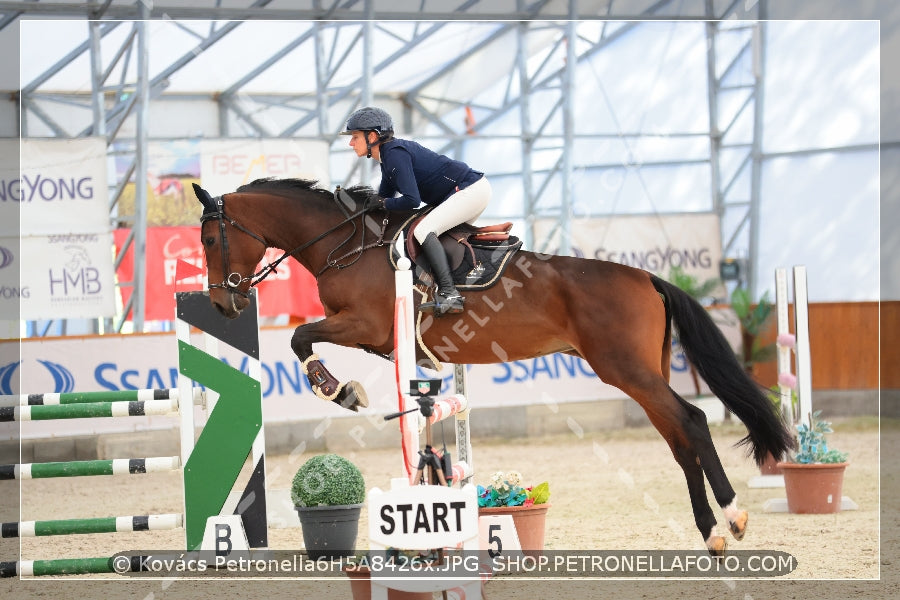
(326, 386)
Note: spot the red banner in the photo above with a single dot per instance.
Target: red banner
(290, 291)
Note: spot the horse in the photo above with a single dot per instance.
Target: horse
(617, 318)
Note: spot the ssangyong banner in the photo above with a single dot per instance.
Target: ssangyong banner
(11, 289)
(10, 187)
(228, 164)
(291, 290)
(62, 188)
(98, 363)
(67, 276)
(692, 242)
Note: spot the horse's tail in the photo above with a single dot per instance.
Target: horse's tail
(710, 353)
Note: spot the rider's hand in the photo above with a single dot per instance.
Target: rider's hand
(374, 203)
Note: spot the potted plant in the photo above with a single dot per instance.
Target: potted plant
(528, 506)
(813, 478)
(328, 492)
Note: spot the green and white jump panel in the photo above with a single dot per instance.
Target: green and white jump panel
(234, 425)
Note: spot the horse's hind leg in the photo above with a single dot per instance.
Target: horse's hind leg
(679, 428)
(708, 460)
(714, 471)
(684, 428)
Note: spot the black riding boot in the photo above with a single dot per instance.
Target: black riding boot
(446, 298)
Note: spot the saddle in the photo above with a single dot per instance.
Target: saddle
(477, 255)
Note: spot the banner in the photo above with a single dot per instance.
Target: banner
(10, 188)
(11, 289)
(122, 362)
(66, 276)
(692, 242)
(62, 189)
(229, 164)
(291, 290)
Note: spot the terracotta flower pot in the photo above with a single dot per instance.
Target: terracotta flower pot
(361, 587)
(529, 521)
(814, 488)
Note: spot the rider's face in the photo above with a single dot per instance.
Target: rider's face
(358, 142)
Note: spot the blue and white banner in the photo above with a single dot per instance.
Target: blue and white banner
(98, 363)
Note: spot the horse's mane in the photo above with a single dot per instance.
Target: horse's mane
(357, 192)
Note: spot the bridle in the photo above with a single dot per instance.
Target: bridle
(234, 280)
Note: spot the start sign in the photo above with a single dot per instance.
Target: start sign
(422, 516)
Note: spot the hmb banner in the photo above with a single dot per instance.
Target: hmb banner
(66, 276)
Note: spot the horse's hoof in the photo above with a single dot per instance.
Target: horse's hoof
(352, 396)
(716, 545)
(738, 527)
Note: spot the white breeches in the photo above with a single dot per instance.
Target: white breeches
(462, 207)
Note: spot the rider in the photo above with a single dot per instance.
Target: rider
(412, 174)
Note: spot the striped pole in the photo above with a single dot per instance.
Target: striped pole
(90, 410)
(80, 468)
(66, 566)
(88, 397)
(443, 409)
(97, 525)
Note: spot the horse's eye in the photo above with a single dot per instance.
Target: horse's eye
(208, 242)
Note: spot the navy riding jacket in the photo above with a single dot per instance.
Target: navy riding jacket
(419, 175)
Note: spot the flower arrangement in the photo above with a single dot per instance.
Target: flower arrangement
(506, 489)
(813, 447)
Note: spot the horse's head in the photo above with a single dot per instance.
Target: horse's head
(232, 253)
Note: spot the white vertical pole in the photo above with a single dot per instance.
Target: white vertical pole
(405, 359)
(801, 329)
(784, 352)
(185, 396)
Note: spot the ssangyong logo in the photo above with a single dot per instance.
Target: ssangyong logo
(6, 257)
(63, 380)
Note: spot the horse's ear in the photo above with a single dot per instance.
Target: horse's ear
(209, 205)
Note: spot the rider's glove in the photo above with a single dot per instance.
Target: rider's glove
(375, 203)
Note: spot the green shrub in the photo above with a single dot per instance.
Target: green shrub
(328, 480)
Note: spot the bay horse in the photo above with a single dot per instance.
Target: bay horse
(617, 318)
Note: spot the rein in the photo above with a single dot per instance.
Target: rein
(231, 281)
